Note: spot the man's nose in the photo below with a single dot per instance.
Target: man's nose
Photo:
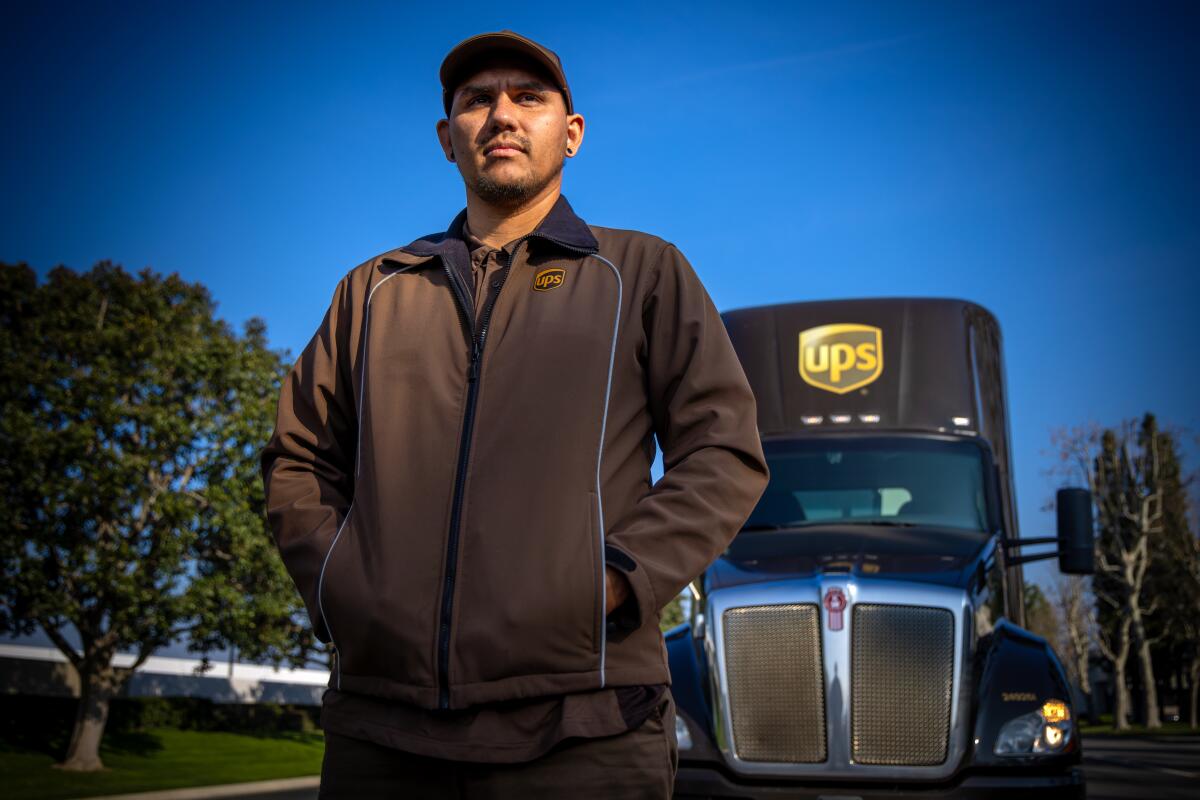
(503, 112)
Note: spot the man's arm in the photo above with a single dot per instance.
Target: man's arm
(714, 470)
(308, 463)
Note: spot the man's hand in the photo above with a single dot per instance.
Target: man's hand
(618, 588)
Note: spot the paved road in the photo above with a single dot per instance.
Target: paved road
(1117, 768)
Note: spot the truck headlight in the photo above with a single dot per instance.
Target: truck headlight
(1043, 732)
(682, 734)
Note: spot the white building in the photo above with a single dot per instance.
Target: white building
(28, 669)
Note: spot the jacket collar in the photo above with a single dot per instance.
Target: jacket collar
(561, 226)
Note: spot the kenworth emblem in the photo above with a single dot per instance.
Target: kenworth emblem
(835, 604)
(549, 279)
(841, 358)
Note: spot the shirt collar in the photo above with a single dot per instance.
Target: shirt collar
(560, 226)
(474, 243)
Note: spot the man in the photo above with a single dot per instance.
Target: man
(459, 484)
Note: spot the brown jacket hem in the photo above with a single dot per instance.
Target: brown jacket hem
(522, 686)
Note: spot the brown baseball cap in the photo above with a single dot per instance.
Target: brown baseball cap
(467, 53)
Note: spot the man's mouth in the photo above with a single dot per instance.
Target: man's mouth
(503, 149)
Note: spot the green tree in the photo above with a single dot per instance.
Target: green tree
(672, 614)
(131, 420)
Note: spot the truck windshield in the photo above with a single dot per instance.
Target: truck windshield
(899, 481)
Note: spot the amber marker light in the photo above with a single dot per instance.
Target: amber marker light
(1055, 711)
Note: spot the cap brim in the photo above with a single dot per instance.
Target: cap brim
(474, 48)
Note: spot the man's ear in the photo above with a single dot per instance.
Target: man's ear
(574, 134)
(443, 134)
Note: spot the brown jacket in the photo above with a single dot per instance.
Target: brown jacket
(450, 564)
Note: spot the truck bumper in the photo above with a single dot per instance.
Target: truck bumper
(699, 782)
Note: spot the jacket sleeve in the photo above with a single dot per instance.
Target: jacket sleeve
(308, 463)
(705, 419)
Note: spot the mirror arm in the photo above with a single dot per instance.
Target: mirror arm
(1008, 544)
(1012, 562)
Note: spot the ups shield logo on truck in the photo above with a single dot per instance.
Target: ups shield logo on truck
(841, 358)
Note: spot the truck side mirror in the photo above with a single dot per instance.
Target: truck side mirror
(1076, 548)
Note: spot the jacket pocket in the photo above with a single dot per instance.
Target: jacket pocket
(323, 603)
(379, 615)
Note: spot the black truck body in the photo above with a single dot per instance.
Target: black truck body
(862, 635)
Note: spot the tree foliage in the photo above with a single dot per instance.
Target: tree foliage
(131, 418)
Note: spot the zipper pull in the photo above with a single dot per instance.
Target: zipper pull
(473, 372)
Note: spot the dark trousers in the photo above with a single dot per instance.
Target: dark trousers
(637, 764)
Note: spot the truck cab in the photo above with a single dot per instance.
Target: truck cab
(862, 635)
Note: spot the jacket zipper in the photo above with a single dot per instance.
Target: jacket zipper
(477, 343)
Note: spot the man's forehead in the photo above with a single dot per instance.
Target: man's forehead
(505, 75)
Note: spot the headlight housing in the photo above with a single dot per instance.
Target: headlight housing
(1046, 731)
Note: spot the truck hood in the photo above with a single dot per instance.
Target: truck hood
(942, 556)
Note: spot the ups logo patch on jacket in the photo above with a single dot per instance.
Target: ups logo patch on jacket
(549, 279)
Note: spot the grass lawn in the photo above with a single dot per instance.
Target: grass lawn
(1105, 727)
(164, 759)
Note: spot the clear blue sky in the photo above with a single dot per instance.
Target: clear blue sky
(1040, 159)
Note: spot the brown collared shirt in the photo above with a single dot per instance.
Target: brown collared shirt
(508, 731)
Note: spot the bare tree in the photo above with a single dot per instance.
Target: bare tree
(1122, 467)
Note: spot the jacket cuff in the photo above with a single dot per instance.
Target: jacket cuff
(639, 607)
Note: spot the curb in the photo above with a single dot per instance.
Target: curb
(222, 790)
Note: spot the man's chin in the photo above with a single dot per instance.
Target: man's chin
(506, 171)
(504, 191)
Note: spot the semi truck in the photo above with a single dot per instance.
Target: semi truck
(863, 635)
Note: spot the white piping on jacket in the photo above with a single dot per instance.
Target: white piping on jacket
(357, 466)
(599, 457)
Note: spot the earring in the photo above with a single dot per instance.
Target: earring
(570, 151)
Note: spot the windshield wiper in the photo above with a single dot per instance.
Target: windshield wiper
(776, 526)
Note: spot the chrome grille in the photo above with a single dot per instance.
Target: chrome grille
(902, 663)
(776, 684)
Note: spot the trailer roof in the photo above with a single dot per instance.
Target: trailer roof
(897, 363)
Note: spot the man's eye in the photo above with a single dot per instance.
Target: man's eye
(476, 99)
(531, 96)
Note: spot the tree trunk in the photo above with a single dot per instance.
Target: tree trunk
(1118, 656)
(1081, 668)
(1151, 715)
(1121, 702)
(97, 688)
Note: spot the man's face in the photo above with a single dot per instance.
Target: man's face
(508, 132)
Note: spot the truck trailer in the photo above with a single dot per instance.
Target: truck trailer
(863, 634)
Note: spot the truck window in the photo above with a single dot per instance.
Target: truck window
(901, 481)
